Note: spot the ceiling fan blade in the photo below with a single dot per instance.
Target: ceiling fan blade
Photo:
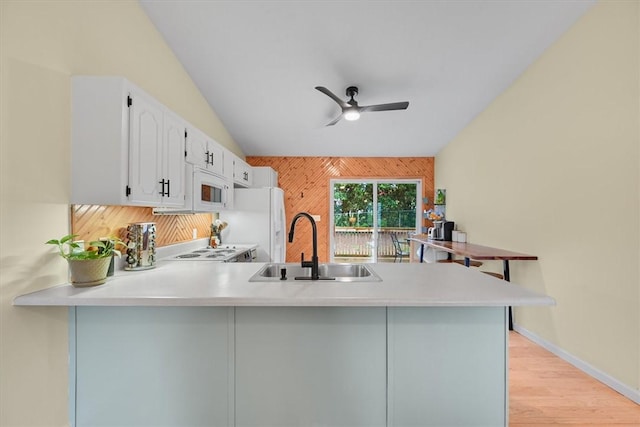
(330, 94)
(334, 121)
(385, 107)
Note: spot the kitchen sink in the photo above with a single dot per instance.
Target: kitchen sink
(328, 272)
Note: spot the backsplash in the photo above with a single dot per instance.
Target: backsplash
(91, 222)
(305, 181)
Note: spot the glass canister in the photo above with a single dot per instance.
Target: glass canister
(141, 246)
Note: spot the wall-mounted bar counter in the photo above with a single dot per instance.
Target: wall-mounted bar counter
(475, 252)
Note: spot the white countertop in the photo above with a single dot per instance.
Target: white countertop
(187, 283)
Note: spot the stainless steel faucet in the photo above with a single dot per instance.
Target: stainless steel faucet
(314, 258)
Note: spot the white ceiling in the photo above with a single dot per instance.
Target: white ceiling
(257, 63)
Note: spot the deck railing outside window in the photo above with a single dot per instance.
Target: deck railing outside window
(358, 242)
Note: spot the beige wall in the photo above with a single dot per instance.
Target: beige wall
(43, 43)
(551, 168)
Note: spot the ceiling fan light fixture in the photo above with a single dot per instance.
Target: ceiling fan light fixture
(351, 115)
(351, 110)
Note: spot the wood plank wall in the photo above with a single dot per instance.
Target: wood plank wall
(90, 222)
(305, 181)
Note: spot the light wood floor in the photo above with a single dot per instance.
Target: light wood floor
(544, 390)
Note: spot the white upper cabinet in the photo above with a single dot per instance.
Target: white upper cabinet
(242, 173)
(237, 171)
(127, 148)
(174, 167)
(204, 152)
(145, 150)
(264, 176)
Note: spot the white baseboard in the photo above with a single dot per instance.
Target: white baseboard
(604, 378)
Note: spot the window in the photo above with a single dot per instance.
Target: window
(367, 212)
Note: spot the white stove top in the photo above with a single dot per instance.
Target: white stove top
(221, 253)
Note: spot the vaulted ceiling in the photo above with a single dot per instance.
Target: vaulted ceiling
(257, 63)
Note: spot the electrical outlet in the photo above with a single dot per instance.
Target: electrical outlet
(195, 233)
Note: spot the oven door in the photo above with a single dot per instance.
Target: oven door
(209, 192)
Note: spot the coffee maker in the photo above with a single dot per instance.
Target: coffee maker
(442, 230)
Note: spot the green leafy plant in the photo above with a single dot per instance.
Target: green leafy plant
(69, 249)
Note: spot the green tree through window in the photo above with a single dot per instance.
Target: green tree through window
(396, 204)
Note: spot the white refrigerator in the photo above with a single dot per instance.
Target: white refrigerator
(258, 217)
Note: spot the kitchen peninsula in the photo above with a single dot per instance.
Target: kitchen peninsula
(191, 344)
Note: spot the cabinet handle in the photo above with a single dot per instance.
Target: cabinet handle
(211, 159)
(246, 176)
(161, 191)
(168, 188)
(206, 157)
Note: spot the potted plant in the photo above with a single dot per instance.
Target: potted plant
(88, 266)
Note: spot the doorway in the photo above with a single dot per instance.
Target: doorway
(367, 213)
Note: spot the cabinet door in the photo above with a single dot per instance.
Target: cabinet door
(310, 366)
(447, 366)
(203, 152)
(197, 148)
(242, 173)
(264, 176)
(216, 153)
(154, 366)
(174, 172)
(145, 154)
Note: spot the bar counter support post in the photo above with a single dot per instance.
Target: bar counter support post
(505, 266)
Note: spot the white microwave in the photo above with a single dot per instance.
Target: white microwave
(209, 192)
(205, 192)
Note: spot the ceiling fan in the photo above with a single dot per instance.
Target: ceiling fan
(351, 110)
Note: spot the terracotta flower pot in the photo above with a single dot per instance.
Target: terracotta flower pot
(89, 272)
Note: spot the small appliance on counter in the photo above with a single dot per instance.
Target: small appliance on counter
(447, 230)
(431, 233)
(141, 246)
(441, 230)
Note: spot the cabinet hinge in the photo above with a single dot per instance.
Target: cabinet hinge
(127, 191)
(129, 101)
(185, 133)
